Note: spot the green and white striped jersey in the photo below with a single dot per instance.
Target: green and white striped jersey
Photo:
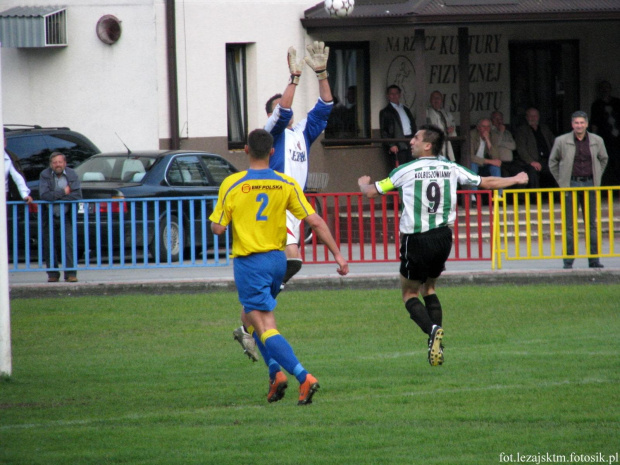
(427, 187)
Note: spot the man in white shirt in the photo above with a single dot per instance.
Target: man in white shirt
(437, 115)
(396, 122)
(13, 172)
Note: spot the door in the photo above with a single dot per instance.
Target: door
(545, 75)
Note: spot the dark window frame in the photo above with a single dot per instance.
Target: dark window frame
(236, 95)
(338, 132)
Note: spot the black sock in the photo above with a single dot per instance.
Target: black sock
(419, 314)
(293, 265)
(434, 308)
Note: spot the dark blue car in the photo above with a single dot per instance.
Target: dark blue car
(166, 226)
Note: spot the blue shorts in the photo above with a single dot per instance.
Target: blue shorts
(258, 278)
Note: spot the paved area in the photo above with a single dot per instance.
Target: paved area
(361, 276)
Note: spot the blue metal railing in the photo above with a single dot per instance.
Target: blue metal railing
(115, 233)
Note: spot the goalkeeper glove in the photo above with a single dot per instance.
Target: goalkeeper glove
(317, 59)
(294, 66)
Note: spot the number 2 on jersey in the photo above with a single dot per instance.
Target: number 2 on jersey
(264, 200)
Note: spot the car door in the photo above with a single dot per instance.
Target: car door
(188, 178)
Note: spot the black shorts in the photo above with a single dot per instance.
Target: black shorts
(424, 255)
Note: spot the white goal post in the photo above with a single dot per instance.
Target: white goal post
(5, 309)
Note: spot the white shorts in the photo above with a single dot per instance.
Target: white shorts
(292, 229)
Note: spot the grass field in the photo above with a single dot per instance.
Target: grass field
(159, 380)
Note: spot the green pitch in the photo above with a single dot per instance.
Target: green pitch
(159, 380)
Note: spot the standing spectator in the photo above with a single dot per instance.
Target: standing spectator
(506, 145)
(605, 119)
(292, 153)
(59, 183)
(14, 180)
(396, 122)
(255, 202)
(437, 115)
(428, 188)
(578, 159)
(534, 141)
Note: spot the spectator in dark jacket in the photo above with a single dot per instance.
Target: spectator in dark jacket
(534, 141)
(396, 122)
(58, 183)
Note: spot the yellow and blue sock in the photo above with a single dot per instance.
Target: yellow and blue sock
(282, 352)
(272, 365)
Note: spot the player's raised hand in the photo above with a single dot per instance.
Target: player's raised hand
(316, 58)
(294, 66)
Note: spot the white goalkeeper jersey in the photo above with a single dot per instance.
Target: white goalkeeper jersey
(427, 187)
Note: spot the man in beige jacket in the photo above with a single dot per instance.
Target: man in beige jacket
(578, 159)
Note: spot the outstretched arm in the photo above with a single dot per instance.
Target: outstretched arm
(325, 91)
(295, 68)
(287, 97)
(321, 229)
(316, 58)
(367, 188)
(493, 182)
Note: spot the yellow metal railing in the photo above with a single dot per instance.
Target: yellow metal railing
(531, 224)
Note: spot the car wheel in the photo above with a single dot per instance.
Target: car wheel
(175, 242)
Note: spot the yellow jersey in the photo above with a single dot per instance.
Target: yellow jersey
(255, 201)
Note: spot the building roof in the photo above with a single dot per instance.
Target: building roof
(463, 12)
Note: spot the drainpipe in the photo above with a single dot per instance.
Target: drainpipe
(463, 35)
(173, 87)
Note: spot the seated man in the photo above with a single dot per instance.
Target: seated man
(534, 142)
(511, 165)
(484, 151)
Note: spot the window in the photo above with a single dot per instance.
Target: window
(349, 78)
(74, 149)
(187, 171)
(236, 90)
(218, 168)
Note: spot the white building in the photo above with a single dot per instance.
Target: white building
(549, 54)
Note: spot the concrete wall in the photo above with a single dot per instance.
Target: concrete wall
(94, 88)
(204, 27)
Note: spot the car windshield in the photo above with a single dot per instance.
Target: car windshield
(114, 169)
